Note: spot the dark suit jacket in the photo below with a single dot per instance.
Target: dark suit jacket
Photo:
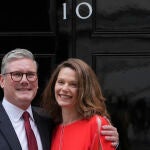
(8, 137)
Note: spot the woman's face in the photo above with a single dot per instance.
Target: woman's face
(66, 88)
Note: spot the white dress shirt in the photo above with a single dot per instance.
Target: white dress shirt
(15, 116)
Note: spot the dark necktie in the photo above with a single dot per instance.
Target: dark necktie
(32, 143)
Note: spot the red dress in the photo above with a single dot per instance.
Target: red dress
(80, 135)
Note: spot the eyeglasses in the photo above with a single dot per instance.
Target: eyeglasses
(17, 76)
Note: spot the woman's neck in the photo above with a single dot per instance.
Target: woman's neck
(70, 116)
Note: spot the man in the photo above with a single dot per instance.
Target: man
(19, 82)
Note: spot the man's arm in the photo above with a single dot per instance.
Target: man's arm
(111, 134)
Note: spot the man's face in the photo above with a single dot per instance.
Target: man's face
(20, 93)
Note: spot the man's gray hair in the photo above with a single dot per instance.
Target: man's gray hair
(17, 53)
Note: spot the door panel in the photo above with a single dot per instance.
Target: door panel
(115, 42)
(30, 25)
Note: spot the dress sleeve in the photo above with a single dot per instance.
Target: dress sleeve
(99, 142)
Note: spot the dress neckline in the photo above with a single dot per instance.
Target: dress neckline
(71, 123)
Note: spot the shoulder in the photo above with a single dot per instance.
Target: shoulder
(43, 119)
(40, 114)
(40, 111)
(102, 119)
(98, 139)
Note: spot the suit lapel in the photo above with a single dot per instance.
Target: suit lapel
(8, 131)
(44, 130)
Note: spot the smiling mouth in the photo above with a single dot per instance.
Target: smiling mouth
(65, 96)
(23, 89)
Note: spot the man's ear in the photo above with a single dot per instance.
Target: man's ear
(1, 81)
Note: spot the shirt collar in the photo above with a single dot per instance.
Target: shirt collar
(14, 112)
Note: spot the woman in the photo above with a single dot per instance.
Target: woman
(74, 100)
